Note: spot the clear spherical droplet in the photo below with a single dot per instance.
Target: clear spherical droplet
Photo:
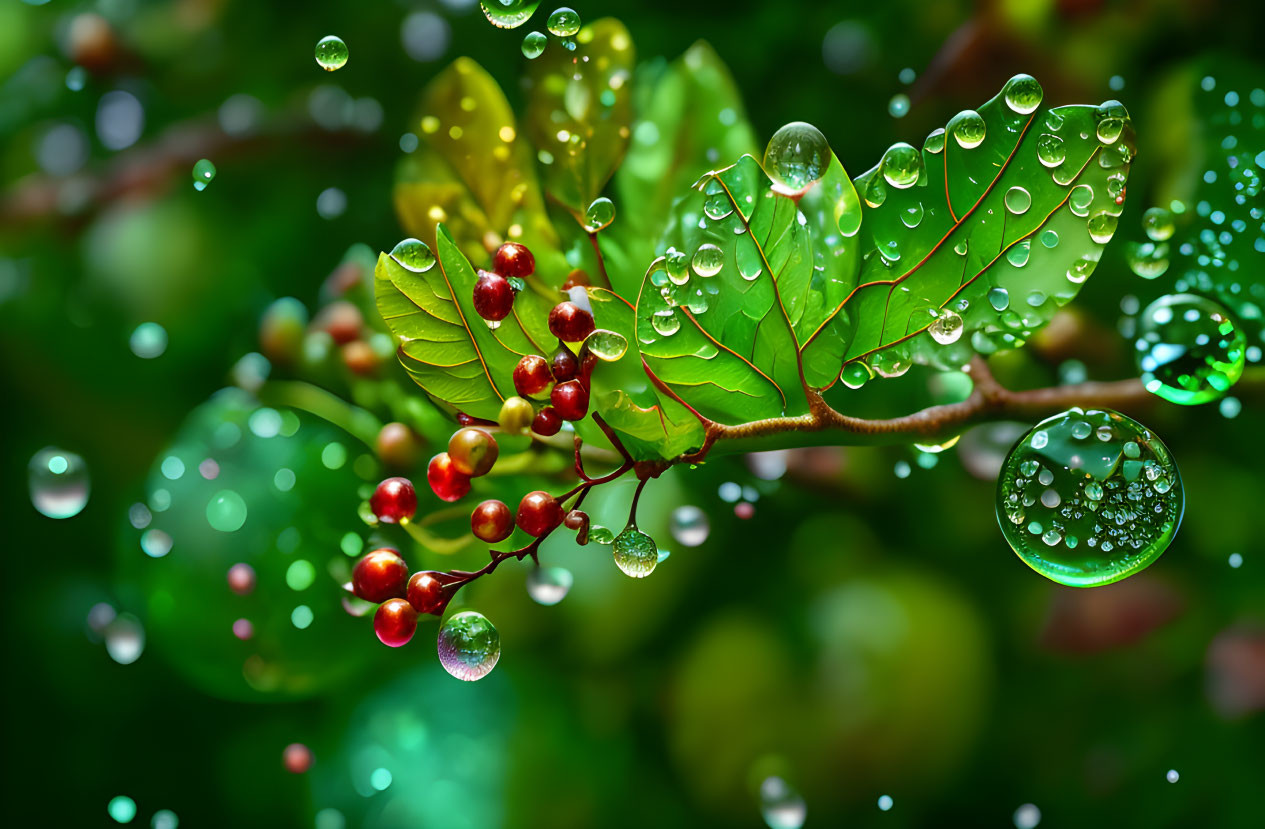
(600, 214)
(855, 374)
(508, 14)
(203, 174)
(901, 166)
(414, 255)
(1050, 150)
(1018, 200)
(549, 585)
(967, 128)
(635, 553)
(331, 53)
(58, 482)
(1089, 507)
(708, 260)
(946, 328)
(898, 106)
(1111, 116)
(469, 646)
(797, 155)
(534, 44)
(564, 22)
(689, 525)
(1023, 94)
(1158, 224)
(1189, 349)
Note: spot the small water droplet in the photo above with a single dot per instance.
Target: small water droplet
(780, 805)
(605, 345)
(968, 129)
(1158, 224)
(331, 53)
(1022, 94)
(508, 14)
(999, 298)
(855, 374)
(901, 166)
(1018, 200)
(469, 646)
(148, 340)
(533, 43)
(635, 553)
(1102, 226)
(203, 174)
(599, 215)
(1111, 117)
(946, 328)
(898, 106)
(666, 322)
(708, 260)
(226, 511)
(1050, 151)
(549, 585)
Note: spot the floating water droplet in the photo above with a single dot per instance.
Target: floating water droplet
(331, 53)
(901, 166)
(708, 260)
(564, 22)
(1050, 151)
(1147, 259)
(999, 298)
(780, 805)
(1111, 117)
(1022, 94)
(1158, 224)
(1018, 200)
(605, 345)
(549, 585)
(203, 174)
(1107, 520)
(1189, 349)
(967, 128)
(124, 639)
(226, 511)
(122, 809)
(635, 553)
(534, 43)
(1172, 776)
(797, 155)
(898, 106)
(508, 14)
(599, 215)
(689, 525)
(946, 328)
(58, 482)
(148, 340)
(413, 255)
(469, 646)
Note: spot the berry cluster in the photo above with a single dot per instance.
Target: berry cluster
(493, 292)
(382, 577)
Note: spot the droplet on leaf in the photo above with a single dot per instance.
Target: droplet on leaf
(508, 14)
(797, 155)
(413, 255)
(600, 214)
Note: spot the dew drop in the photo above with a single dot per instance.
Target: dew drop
(469, 646)
(797, 155)
(413, 255)
(1018, 200)
(967, 128)
(1018, 253)
(599, 215)
(666, 322)
(1102, 226)
(901, 166)
(549, 585)
(946, 328)
(676, 265)
(999, 298)
(1158, 224)
(331, 53)
(58, 482)
(203, 174)
(1022, 94)
(708, 260)
(1189, 349)
(855, 374)
(635, 553)
(563, 22)
(689, 525)
(508, 14)
(935, 142)
(1050, 238)
(1050, 151)
(533, 43)
(1079, 199)
(1111, 117)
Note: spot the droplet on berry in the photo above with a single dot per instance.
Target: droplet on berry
(473, 451)
(570, 400)
(538, 513)
(565, 365)
(492, 521)
(531, 375)
(394, 622)
(446, 481)
(398, 445)
(493, 297)
(513, 259)
(516, 415)
(379, 575)
(570, 323)
(426, 592)
(394, 500)
(547, 422)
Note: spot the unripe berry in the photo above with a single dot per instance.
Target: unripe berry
(360, 358)
(565, 365)
(547, 422)
(426, 592)
(493, 297)
(341, 320)
(394, 500)
(473, 451)
(570, 400)
(513, 259)
(446, 481)
(492, 521)
(538, 513)
(281, 330)
(531, 375)
(394, 622)
(516, 415)
(570, 323)
(379, 575)
(398, 445)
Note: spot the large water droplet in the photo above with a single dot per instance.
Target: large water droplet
(689, 525)
(1111, 117)
(780, 805)
(1050, 151)
(946, 328)
(666, 322)
(1086, 507)
(549, 585)
(413, 255)
(1147, 259)
(605, 345)
(635, 553)
(1158, 224)
(1018, 200)
(600, 214)
(1022, 94)
(563, 22)
(1102, 226)
(967, 128)
(59, 482)
(1189, 349)
(534, 44)
(708, 260)
(468, 645)
(855, 374)
(508, 14)
(331, 53)
(797, 155)
(901, 166)
(999, 298)
(203, 174)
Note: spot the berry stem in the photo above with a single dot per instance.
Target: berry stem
(601, 262)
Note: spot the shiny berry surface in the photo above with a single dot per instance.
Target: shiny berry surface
(547, 422)
(564, 365)
(473, 451)
(379, 575)
(570, 400)
(493, 297)
(492, 521)
(446, 481)
(513, 259)
(570, 323)
(426, 592)
(516, 415)
(531, 375)
(576, 519)
(577, 278)
(538, 513)
(394, 500)
(394, 622)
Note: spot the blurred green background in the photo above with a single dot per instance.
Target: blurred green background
(866, 632)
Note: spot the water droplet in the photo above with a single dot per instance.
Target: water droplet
(898, 106)
(226, 511)
(155, 543)
(124, 639)
(469, 646)
(1158, 224)
(935, 142)
(331, 53)
(890, 363)
(414, 255)
(676, 265)
(1147, 259)
(1189, 349)
(600, 214)
(549, 585)
(203, 174)
(58, 482)
(605, 345)
(901, 166)
(666, 322)
(885, 803)
(689, 525)
(946, 328)
(967, 128)
(564, 22)
(1050, 238)
(1172, 776)
(533, 43)
(797, 155)
(855, 374)
(1102, 226)
(999, 298)
(1018, 200)
(708, 260)
(508, 14)
(780, 805)
(635, 553)
(1023, 94)
(911, 216)
(1050, 151)
(1111, 117)
(1018, 253)
(1102, 520)
(1079, 200)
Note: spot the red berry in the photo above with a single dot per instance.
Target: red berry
(493, 296)
(538, 513)
(394, 500)
(588, 360)
(395, 622)
(379, 575)
(341, 320)
(578, 520)
(446, 481)
(473, 452)
(570, 400)
(531, 375)
(513, 259)
(297, 758)
(426, 592)
(565, 365)
(547, 422)
(491, 521)
(569, 322)
(360, 358)
(398, 445)
(575, 279)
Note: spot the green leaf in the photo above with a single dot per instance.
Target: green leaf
(472, 170)
(446, 347)
(578, 112)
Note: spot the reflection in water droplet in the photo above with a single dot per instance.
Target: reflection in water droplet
(469, 646)
(605, 345)
(780, 805)
(635, 553)
(600, 214)
(967, 128)
(946, 328)
(1189, 349)
(1022, 94)
(901, 166)
(413, 255)
(797, 155)
(1102, 226)
(549, 585)
(533, 43)
(689, 525)
(331, 53)
(563, 22)
(708, 260)
(666, 322)
(58, 482)
(508, 14)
